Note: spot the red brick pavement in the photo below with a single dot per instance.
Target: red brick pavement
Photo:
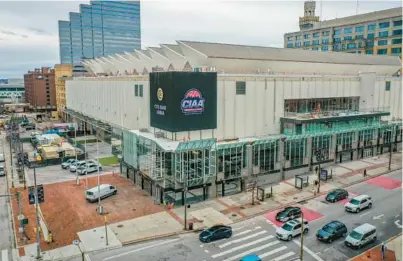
(375, 255)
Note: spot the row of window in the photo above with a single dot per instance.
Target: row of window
(138, 90)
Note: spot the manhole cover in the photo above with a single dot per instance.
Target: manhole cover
(120, 225)
(234, 215)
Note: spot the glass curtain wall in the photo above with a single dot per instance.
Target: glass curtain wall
(295, 151)
(65, 42)
(292, 107)
(323, 142)
(266, 155)
(231, 159)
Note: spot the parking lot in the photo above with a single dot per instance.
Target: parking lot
(66, 211)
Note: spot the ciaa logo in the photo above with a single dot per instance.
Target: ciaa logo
(192, 102)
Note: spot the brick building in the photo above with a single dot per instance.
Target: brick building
(40, 90)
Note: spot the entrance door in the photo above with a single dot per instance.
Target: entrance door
(368, 153)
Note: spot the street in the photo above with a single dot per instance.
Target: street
(257, 235)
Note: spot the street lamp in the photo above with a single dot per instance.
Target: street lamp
(75, 145)
(320, 156)
(77, 243)
(99, 207)
(38, 240)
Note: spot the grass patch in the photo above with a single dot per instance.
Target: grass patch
(109, 160)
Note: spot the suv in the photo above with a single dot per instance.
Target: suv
(337, 195)
(68, 163)
(76, 165)
(291, 229)
(358, 203)
(331, 231)
(288, 213)
(89, 168)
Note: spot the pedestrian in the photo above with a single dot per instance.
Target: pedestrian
(383, 251)
(365, 172)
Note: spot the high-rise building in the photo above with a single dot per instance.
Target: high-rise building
(62, 73)
(376, 33)
(40, 91)
(100, 29)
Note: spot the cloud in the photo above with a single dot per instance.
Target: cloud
(39, 31)
(13, 33)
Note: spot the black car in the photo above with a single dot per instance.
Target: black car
(215, 233)
(331, 231)
(337, 195)
(289, 213)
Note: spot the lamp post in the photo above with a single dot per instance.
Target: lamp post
(302, 237)
(38, 240)
(319, 154)
(75, 145)
(100, 210)
(77, 243)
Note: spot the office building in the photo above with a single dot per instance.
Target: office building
(218, 117)
(101, 28)
(12, 90)
(40, 91)
(62, 72)
(376, 33)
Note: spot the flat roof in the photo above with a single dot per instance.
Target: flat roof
(165, 144)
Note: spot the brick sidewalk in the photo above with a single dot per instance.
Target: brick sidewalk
(375, 255)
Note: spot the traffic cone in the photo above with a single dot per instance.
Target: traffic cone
(369, 254)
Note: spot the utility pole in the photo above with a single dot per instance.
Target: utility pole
(302, 237)
(38, 240)
(106, 229)
(75, 142)
(185, 183)
(100, 210)
(390, 151)
(319, 154)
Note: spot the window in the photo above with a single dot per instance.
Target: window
(349, 37)
(397, 23)
(290, 45)
(315, 35)
(397, 50)
(384, 25)
(359, 29)
(382, 42)
(315, 49)
(397, 41)
(387, 86)
(136, 90)
(397, 32)
(336, 47)
(370, 36)
(307, 36)
(298, 44)
(307, 43)
(326, 33)
(325, 48)
(383, 34)
(360, 36)
(337, 40)
(298, 37)
(141, 90)
(348, 30)
(325, 41)
(382, 51)
(315, 42)
(370, 43)
(289, 38)
(240, 88)
(351, 46)
(337, 32)
(369, 52)
(371, 27)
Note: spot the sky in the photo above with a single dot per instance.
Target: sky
(29, 29)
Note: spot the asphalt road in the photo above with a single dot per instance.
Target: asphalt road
(386, 210)
(257, 235)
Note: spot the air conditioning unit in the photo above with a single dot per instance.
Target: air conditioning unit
(160, 134)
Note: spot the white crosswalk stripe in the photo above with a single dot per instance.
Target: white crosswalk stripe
(4, 255)
(255, 240)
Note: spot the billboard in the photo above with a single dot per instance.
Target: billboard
(183, 101)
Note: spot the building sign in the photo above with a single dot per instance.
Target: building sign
(183, 101)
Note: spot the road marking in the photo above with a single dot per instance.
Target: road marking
(397, 223)
(87, 257)
(242, 246)
(378, 217)
(242, 239)
(282, 257)
(206, 251)
(365, 214)
(4, 255)
(238, 228)
(140, 249)
(253, 250)
(326, 250)
(272, 252)
(397, 215)
(246, 231)
(201, 245)
(308, 251)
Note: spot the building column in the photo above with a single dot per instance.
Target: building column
(333, 147)
(281, 158)
(355, 146)
(309, 152)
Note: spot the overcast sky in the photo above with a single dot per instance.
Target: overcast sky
(29, 32)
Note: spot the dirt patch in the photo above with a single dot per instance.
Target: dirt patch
(66, 211)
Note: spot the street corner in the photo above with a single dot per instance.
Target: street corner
(385, 182)
(309, 215)
(375, 254)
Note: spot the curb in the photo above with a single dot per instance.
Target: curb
(159, 236)
(387, 241)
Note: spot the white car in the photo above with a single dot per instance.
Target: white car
(2, 171)
(76, 165)
(358, 203)
(291, 229)
(104, 190)
(89, 168)
(68, 163)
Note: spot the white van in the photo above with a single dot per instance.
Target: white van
(1, 157)
(105, 191)
(360, 236)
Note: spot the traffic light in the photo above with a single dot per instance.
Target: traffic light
(31, 195)
(41, 194)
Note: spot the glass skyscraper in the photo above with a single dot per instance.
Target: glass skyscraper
(99, 29)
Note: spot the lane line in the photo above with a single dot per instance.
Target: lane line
(365, 214)
(242, 239)
(87, 257)
(206, 251)
(140, 249)
(253, 250)
(4, 255)
(238, 228)
(325, 250)
(308, 251)
(242, 246)
(282, 257)
(243, 232)
(272, 252)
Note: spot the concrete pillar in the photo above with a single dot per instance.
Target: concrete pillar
(333, 147)
(249, 157)
(309, 152)
(355, 155)
(281, 158)
(212, 190)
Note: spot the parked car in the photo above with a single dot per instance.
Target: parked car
(361, 236)
(89, 168)
(104, 191)
(358, 203)
(76, 165)
(331, 231)
(291, 229)
(215, 233)
(288, 213)
(30, 126)
(2, 171)
(2, 157)
(67, 163)
(336, 195)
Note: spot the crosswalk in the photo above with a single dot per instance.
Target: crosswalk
(246, 241)
(4, 255)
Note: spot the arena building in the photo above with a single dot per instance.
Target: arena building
(212, 119)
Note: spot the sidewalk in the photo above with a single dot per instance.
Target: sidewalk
(225, 210)
(393, 252)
